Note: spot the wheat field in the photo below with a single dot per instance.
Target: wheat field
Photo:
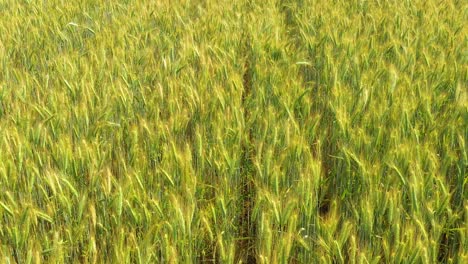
(240, 131)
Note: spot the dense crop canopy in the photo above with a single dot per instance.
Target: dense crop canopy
(273, 131)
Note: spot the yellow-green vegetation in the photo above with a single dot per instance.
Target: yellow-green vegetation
(227, 131)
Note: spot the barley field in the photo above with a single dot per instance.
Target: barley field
(233, 131)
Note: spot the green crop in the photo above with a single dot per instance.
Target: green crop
(241, 131)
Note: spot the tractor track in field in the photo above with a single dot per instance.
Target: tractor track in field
(311, 78)
(247, 226)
